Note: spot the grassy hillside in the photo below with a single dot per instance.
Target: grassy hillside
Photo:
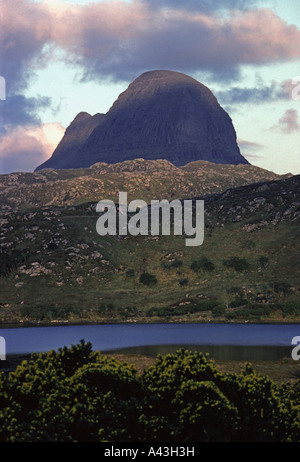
(55, 267)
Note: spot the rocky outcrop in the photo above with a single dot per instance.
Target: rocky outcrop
(143, 179)
(162, 115)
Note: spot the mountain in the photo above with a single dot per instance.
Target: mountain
(162, 115)
(75, 136)
(56, 268)
(142, 179)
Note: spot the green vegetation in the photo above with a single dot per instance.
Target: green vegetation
(239, 264)
(11, 260)
(78, 395)
(204, 264)
(263, 261)
(148, 279)
(55, 267)
(184, 308)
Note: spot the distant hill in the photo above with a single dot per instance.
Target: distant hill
(142, 179)
(162, 115)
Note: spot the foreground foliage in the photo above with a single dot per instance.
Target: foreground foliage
(76, 394)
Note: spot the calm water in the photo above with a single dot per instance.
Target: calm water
(221, 341)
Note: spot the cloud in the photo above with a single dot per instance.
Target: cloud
(202, 5)
(249, 149)
(25, 30)
(120, 39)
(19, 110)
(23, 148)
(288, 123)
(261, 93)
(252, 146)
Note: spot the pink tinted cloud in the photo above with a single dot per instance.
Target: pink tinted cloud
(25, 27)
(118, 39)
(288, 123)
(23, 148)
(114, 38)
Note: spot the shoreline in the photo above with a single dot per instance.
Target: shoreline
(56, 323)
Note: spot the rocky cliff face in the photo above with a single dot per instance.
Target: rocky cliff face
(72, 142)
(162, 115)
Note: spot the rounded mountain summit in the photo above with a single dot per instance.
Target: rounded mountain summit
(162, 115)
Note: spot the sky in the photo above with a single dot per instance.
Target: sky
(58, 58)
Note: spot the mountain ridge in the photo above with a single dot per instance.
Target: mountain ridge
(142, 179)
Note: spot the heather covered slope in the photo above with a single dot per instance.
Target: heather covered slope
(55, 267)
(162, 115)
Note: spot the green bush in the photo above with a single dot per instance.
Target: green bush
(263, 261)
(202, 265)
(78, 395)
(239, 264)
(11, 260)
(183, 282)
(252, 311)
(218, 310)
(290, 308)
(176, 263)
(148, 279)
(282, 287)
(180, 310)
(238, 301)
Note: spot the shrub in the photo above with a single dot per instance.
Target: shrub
(239, 264)
(282, 287)
(181, 310)
(292, 307)
(202, 265)
(129, 273)
(218, 310)
(239, 301)
(11, 260)
(183, 282)
(176, 263)
(76, 394)
(148, 279)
